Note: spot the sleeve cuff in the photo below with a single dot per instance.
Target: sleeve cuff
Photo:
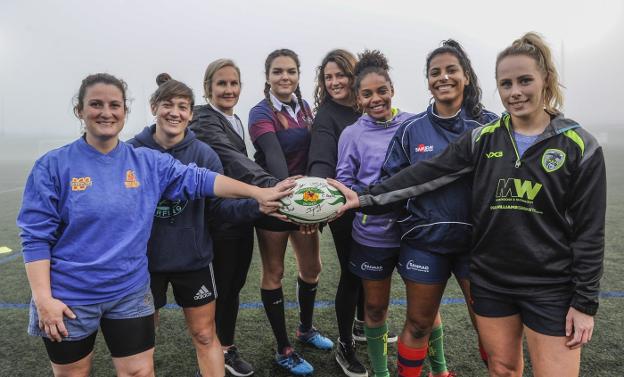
(581, 304)
(209, 183)
(33, 255)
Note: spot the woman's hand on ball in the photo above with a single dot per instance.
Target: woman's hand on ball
(351, 196)
(268, 198)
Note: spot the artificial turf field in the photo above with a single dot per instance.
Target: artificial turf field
(21, 355)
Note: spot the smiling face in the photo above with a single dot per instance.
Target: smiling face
(375, 96)
(520, 86)
(225, 89)
(283, 76)
(172, 117)
(447, 80)
(103, 112)
(337, 83)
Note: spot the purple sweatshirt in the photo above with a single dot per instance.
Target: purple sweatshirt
(361, 151)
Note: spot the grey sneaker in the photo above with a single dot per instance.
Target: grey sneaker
(348, 361)
(235, 364)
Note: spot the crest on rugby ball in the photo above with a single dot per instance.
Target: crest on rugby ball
(553, 159)
(310, 196)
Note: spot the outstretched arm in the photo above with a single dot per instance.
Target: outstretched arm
(417, 179)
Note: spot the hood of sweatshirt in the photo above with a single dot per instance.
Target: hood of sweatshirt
(146, 138)
(397, 118)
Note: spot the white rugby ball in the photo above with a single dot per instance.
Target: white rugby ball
(312, 201)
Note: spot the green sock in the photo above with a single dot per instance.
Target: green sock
(435, 354)
(377, 344)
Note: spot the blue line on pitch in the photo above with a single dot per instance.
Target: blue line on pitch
(325, 304)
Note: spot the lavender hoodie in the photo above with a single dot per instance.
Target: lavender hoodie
(361, 151)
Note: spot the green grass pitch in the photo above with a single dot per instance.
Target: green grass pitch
(21, 355)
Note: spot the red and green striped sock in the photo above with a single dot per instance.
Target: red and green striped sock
(410, 360)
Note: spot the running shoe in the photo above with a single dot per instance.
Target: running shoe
(235, 364)
(348, 361)
(315, 339)
(294, 363)
(360, 336)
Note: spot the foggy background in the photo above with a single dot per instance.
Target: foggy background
(48, 47)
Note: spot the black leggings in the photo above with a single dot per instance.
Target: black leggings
(232, 258)
(349, 293)
(116, 335)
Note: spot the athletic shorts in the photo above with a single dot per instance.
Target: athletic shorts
(138, 303)
(372, 263)
(544, 315)
(190, 288)
(432, 268)
(275, 225)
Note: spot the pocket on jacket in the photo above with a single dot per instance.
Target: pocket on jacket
(173, 249)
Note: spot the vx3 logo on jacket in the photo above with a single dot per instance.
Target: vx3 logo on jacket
(516, 194)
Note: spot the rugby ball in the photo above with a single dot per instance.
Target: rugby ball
(312, 201)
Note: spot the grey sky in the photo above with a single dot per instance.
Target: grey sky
(47, 47)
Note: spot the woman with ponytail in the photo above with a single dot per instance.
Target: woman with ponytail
(375, 245)
(436, 230)
(538, 204)
(279, 128)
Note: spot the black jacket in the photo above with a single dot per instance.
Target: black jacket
(539, 218)
(180, 240)
(329, 122)
(213, 129)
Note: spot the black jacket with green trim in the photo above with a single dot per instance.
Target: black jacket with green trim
(539, 218)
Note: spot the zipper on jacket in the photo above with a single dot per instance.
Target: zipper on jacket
(513, 143)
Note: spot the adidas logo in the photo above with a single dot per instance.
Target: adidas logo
(202, 293)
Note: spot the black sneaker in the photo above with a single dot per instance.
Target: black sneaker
(235, 364)
(360, 336)
(348, 361)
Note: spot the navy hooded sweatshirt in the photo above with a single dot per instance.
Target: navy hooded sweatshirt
(180, 240)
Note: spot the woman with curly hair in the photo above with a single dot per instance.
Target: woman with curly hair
(375, 245)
